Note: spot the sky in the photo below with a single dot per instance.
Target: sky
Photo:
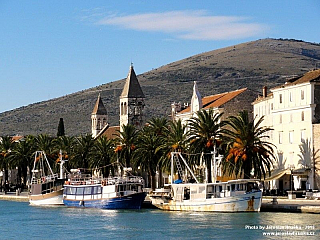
(49, 49)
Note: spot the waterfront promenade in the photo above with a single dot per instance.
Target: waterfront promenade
(12, 196)
(281, 204)
(268, 203)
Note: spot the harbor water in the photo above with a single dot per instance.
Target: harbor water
(19, 220)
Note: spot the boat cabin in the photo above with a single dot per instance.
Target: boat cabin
(204, 191)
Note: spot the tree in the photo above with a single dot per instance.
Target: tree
(66, 145)
(175, 141)
(158, 126)
(247, 148)
(126, 144)
(60, 128)
(205, 134)
(6, 145)
(22, 157)
(103, 155)
(83, 152)
(44, 142)
(148, 153)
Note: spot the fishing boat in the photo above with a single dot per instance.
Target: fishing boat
(239, 195)
(46, 186)
(86, 191)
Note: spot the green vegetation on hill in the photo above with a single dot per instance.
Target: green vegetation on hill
(266, 62)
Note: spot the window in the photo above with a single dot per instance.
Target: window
(302, 94)
(303, 134)
(280, 137)
(290, 96)
(290, 136)
(291, 117)
(280, 98)
(280, 118)
(302, 116)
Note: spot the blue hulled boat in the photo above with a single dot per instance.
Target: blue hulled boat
(82, 190)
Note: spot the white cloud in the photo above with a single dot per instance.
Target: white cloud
(195, 25)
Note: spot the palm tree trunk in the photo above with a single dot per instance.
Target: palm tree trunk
(208, 163)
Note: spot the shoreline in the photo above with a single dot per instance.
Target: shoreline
(269, 204)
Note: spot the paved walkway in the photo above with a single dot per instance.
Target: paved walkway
(12, 196)
(290, 205)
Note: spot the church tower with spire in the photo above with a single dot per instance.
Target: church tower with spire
(99, 117)
(196, 100)
(131, 101)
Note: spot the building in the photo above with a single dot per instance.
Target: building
(131, 109)
(292, 110)
(99, 117)
(227, 102)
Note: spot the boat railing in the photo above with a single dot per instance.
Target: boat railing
(88, 180)
(44, 179)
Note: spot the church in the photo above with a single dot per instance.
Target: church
(131, 109)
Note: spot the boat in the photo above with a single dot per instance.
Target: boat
(46, 186)
(86, 191)
(240, 195)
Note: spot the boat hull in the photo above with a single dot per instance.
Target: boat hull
(133, 201)
(53, 198)
(249, 202)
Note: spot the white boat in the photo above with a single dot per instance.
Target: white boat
(46, 187)
(240, 195)
(85, 191)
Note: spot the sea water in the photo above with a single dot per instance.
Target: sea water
(19, 220)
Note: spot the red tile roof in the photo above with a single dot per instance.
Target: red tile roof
(217, 100)
(312, 76)
(111, 132)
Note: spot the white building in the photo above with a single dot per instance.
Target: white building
(293, 111)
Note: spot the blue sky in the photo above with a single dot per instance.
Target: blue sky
(50, 48)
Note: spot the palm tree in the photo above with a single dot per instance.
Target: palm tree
(44, 142)
(175, 141)
(83, 152)
(22, 157)
(148, 153)
(65, 144)
(158, 125)
(247, 147)
(103, 155)
(205, 134)
(126, 144)
(6, 145)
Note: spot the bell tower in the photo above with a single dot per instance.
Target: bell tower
(131, 101)
(99, 117)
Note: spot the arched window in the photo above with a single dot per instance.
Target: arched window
(125, 108)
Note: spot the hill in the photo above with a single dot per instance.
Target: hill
(266, 62)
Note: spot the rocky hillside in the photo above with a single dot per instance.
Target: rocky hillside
(253, 64)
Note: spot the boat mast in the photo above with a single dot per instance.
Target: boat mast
(62, 161)
(185, 163)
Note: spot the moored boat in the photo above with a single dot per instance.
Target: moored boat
(83, 190)
(46, 187)
(239, 195)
